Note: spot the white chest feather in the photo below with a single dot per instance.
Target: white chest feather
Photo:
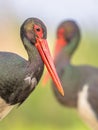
(85, 110)
(4, 108)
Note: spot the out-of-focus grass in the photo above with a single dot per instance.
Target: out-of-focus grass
(41, 111)
(87, 51)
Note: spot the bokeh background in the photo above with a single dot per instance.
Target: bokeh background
(41, 111)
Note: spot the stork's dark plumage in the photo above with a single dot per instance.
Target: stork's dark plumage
(19, 77)
(80, 83)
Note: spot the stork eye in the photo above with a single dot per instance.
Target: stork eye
(38, 29)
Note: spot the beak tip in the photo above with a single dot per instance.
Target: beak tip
(61, 91)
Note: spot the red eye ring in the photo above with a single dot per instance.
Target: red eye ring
(38, 31)
(60, 33)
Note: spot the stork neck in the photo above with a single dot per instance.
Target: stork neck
(65, 54)
(72, 45)
(33, 54)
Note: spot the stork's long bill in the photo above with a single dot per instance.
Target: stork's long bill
(43, 49)
(59, 45)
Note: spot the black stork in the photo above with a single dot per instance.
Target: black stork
(80, 83)
(19, 77)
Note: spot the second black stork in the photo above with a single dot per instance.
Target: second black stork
(80, 83)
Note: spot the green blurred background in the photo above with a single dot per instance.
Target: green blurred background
(41, 111)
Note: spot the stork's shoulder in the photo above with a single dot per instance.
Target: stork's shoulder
(9, 56)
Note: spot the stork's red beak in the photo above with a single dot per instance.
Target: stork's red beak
(43, 49)
(59, 45)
